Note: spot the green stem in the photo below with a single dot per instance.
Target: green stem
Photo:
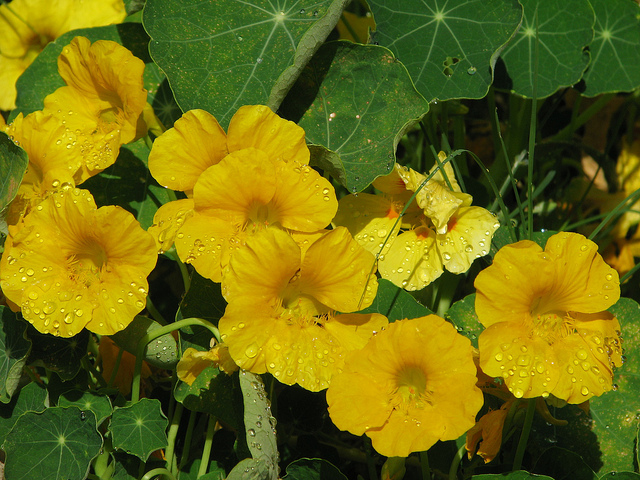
(187, 439)
(171, 436)
(158, 471)
(629, 273)
(566, 132)
(308, 46)
(206, 450)
(116, 367)
(424, 464)
(453, 469)
(524, 436)
(94, 373)
(142, 345)
(371, 464)
(157, 316)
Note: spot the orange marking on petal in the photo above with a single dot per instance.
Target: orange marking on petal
(453, 221)
(392, 213)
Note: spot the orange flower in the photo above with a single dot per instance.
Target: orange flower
(547, 331)
(410, 386)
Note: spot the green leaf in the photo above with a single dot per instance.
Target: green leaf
(215, 393)
(519, 475)
(161, 352)
(215, 471)
(13, 164)
(395, 303)
(562, 464)
(30, 398)
(100, 405)
(61, 355)
(620, 476)
(562, 58)
(58, 443)
(41, 77)
(354, 102)
(140, 428)
(260, 428)
(615, 49)
(615, 414)
(313, 469)
(14, 349)
(463, 316)
(129, 184)
(221, 55)
(449, 48)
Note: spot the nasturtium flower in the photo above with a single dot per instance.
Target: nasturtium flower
(547, 329)
(103, 102)
(73, 265)
(485, 436)
(282, 302)
(26, 26)
(50, 163)
(193, 362)
(253, 177)
(413, 384)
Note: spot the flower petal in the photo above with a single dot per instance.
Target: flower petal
(168, 220)
(182, 153)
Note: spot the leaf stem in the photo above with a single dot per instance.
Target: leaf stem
(524, 436)
(171, 436)
(206, 450)
(311, 41)
(453, 469)
(424, 464)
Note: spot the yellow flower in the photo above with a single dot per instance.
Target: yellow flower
(489, 429)
(103, 102)
(193, 362)
(547, 331)
(73, 265)
(412, 385)
(26, 26)
(260, 182)
(282, 300)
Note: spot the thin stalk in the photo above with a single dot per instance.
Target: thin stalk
(157, 316)
(142, 345)
(206, 450)
(350, 28)
(632, 197)
(524, 436)
(453, 469)
(371, 464)
(630, 273)
(171, 437)
(116, 367)
(156, 472)
(424, 464)
(532, 135)
(187, 439)
(94, 373)
(566, 132)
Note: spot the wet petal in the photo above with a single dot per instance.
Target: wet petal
(168, 220)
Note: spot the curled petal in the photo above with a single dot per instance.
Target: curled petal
(168, 220)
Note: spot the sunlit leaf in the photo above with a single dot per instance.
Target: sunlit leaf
(564, 29)
(99, 405)
(449, 47)
(221, 55)
(58, 443)
(463, 316)
(13, 164)
(615, 56)
(355, 102)
(395, 303)
(139, 428)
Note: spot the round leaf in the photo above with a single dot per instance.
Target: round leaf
(395, 303)
(100, 405)
(58, 443)
(140, 428)
(449, 48)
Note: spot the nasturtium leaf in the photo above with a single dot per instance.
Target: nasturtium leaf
(99, 405)
(58, 443)
(313, 469)
(221, 55)
(14, 349)
(215, 471)
(41, 77)
(395, 303)
(615, 49)
(519, 475)
(260, 431)
(203, 300)
(61, 355)
(564, 30)
(128, 184)
(30, 398)
(620, 476)
(563, 464)
(449, 48)
(354, 102)
(463, 316)
(139, 428)
(161, 352)
(13, 164)
(616, 413)
(215, 393)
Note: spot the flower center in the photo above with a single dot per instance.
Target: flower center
(262, 215)
(85, 265)
(412, 385)
(550, 325)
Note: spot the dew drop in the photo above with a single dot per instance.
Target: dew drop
(472, 70)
